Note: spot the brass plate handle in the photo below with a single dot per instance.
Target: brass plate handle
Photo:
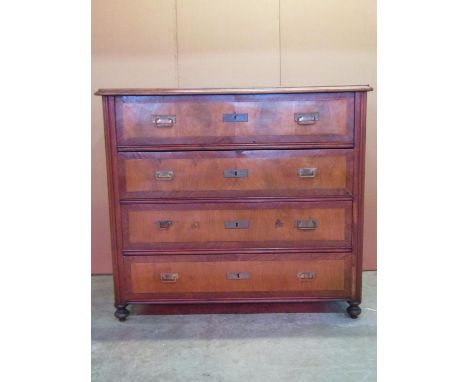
(241, 173)
(306, 118)
(167, 277)
(306, 275)
(236, 224)
(307, 224)
(307, 172)
(238, 275)
(163, 120)
(164, 175)
(163, 224)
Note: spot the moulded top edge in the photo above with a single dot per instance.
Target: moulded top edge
(273, 90)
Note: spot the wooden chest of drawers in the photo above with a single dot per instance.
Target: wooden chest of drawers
(236, 195)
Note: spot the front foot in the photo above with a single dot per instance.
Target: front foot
(353, 309)
(121, 313)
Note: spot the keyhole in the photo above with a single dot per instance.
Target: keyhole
(238, 275)
(237, 224)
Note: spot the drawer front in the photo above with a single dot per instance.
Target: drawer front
(237, 225)
(236, 173)
(300, 275)
(229, 119)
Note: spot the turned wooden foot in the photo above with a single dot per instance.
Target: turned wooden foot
(353, 309)
(121, 313)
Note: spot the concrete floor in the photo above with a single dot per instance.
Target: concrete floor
(309, 347)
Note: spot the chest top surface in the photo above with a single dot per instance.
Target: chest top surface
(267, 90)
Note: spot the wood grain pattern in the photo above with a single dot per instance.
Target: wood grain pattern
(113, 192)
(271, 275)
(263, 276)
(270, 173)
(209, 91)
(199, 200)
(198, 144)
(199, 119)
(202, 225)
(358, 205)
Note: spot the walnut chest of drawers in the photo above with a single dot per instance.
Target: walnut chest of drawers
(221, 196)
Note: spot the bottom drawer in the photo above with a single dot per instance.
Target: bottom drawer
(238, 277)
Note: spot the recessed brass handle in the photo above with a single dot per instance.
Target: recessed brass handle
(167, 277)
(164, 175)
(307, 172)
(163, 224)
(163, 120)
(238, 275)
(306, 275)
(306, 118)
(307, 224)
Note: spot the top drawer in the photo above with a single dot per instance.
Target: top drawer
(197, 120)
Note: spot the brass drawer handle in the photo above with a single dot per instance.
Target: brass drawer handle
(167, 277)
(307, 172)
(163, 120)
(306, 275)
(164, 175)
(307, 224)
(236, 117)
(238, 275)
(236, 224)
(241, 173)
(163, 224)
(306, 118)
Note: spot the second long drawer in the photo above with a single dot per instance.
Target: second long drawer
(264, 173)
(237, 225)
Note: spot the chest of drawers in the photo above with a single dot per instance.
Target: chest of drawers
(236, 195)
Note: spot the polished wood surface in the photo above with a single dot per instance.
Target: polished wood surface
(173, 210)
(113, 194)
(358, 205)
(271, 224)
(208, 91)
(199, 119)
(270, 173)
(264, 276)
(272, 277)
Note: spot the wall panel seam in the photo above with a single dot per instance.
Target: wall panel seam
(176, 36)
(279, 42)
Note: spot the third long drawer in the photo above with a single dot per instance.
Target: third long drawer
(267, 224)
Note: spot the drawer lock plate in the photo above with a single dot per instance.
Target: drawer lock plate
(235, 117)
(238, 275)
(241, 173)
(236, 224)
